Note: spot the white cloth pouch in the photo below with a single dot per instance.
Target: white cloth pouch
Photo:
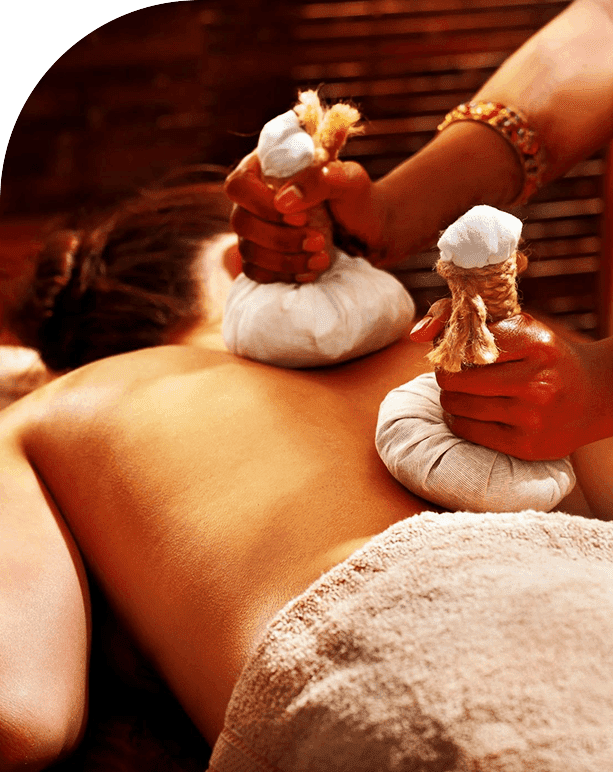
(351, 310)
(423, 454)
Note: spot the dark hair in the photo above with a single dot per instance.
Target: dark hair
(123, 280)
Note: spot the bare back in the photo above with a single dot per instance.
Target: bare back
(206, 491)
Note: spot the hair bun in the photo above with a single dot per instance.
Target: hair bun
(121, 280)
(55, 266)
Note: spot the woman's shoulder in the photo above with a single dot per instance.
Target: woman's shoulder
(95, 388)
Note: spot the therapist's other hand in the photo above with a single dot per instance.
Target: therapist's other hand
(544, 397)
(275, 240)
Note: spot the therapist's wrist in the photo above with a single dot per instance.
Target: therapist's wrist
(465, 165)
(482, 166)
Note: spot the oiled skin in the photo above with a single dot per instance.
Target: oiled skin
(205, 491)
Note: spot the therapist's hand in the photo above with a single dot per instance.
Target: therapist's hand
(275, 240)
(433, 323)
(544, 397)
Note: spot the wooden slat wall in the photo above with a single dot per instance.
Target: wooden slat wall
(193, 82)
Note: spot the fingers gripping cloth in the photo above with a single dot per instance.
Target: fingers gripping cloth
(479, 259)
(353, 308)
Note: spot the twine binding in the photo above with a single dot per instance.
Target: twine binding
(330, 128)
(478, 296)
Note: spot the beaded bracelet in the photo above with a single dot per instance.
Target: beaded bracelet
(513, 127)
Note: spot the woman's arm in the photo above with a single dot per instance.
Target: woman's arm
(44, 623)
(594, 469)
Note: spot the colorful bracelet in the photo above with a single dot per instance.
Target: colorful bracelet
(513, 127)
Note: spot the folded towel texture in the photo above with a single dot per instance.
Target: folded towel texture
(449, 643)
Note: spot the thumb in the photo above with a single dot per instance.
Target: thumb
(433, 322)
(342, 182)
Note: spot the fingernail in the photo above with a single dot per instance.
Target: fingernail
(315, 242)
(288, 198)
(421, 325)
(319, 262)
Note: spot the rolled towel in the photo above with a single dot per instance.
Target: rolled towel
(449, 642)
(350, 310)
(479, 259)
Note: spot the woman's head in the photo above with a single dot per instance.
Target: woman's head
(121, 281)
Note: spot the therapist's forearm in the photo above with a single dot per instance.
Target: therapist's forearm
(561, 79)
(465, 165)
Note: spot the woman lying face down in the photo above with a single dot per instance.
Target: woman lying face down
(162, 255)
(203, 491)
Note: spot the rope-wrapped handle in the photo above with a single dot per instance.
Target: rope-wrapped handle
(309, 135)
(480, 262)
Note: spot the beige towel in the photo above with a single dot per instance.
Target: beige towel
(449, 643)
